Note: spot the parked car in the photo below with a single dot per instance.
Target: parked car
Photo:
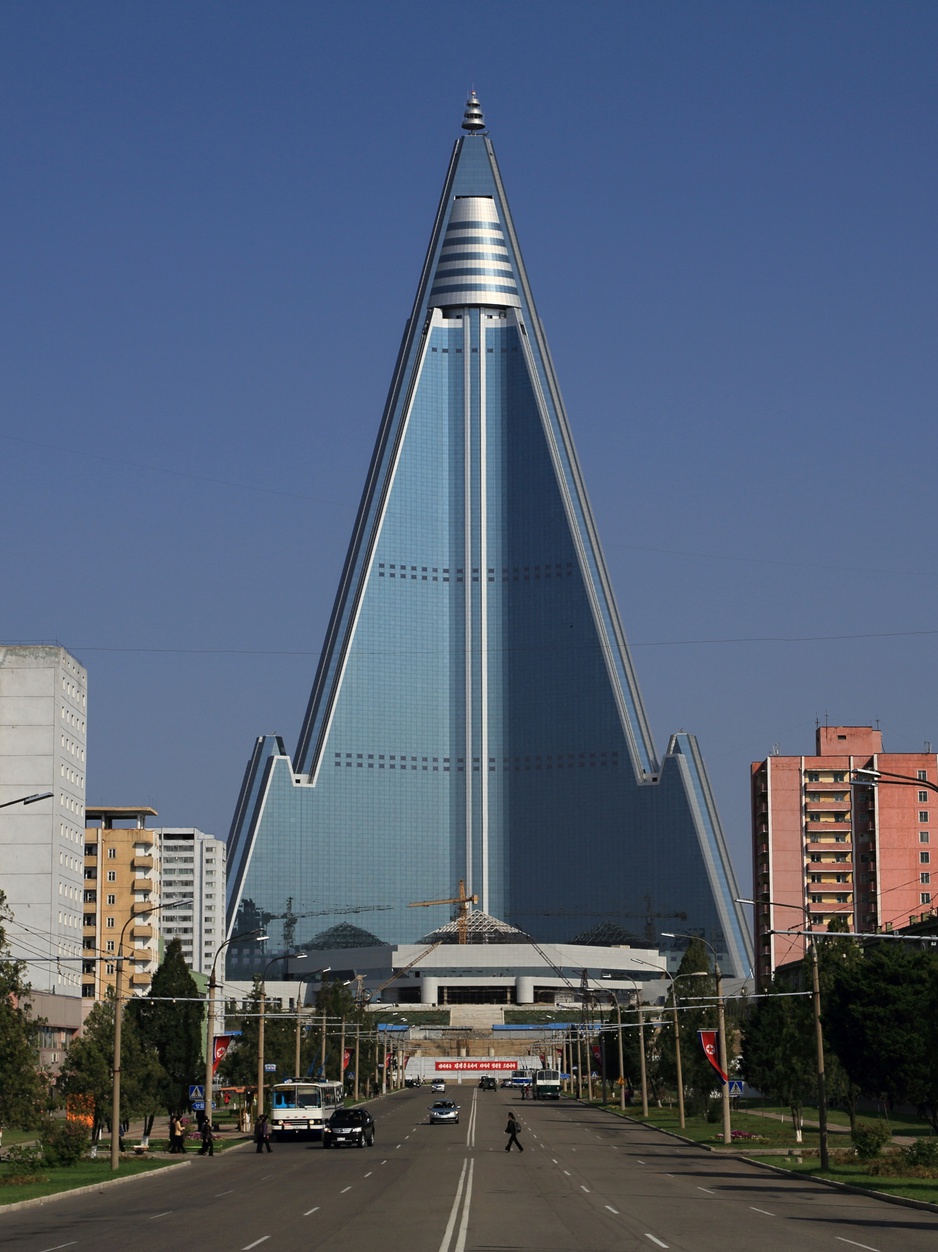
(444, 1111)
(488, 1083)
(351, 1128)
(414, 1081)
(437, 1085)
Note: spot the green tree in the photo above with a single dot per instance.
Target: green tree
(879, 1015)
(88, 1067)
(700, 1078)
(22, 1087)
(779, 1053)
(171, 1018)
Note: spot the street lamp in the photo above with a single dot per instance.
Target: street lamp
(296, 1065)
(210, 1015)
(823, 1156)
(284, 956)
(721, 1026)
(118, 1009)
(697, 973)
(40, 795)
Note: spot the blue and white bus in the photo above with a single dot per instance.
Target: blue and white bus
(300, 1107)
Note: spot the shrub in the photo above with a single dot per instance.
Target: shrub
(923, 1152)
(870, 1138)
(25, 1160)
(64, 1141)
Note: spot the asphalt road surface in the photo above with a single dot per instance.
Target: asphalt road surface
(586, 1181)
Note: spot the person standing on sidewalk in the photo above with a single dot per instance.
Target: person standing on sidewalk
(512, 1129)
(208, 1139)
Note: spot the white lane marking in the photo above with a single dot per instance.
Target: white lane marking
(156, 1215)
(841, 1239)
(612, 1210)
(567, 1172)
(384, 1162)
(638, 1162)
(554, 1159)
(586, 1189)
(654, 1240)
(70, 1244)
(765, 1211)
(308, 1211)
(344, 1189)
(448, 1233)
(706, 1190)
(228, 1192)
(464, 1224)
(396, 1146)
(247, 1247)
(368, 1175)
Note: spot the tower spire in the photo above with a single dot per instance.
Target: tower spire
(473, 121)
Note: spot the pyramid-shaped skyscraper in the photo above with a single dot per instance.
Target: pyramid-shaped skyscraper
(475, 715)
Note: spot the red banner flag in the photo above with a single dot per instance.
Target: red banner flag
(708, 1041)
(346, 1058)
(222, 1043)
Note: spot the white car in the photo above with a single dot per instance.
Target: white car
(437, 1086)
(444, 1111)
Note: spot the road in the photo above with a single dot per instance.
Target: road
(586, 1181)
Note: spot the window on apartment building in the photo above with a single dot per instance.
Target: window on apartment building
(109, 923)
(112, 899)
(841, 899)
(924, 878)
(924, 897)
(841, 878)
(924, 858)
(923, 797)
(87, 991)
(813, 776)
(112, 854)
(87, 919)
(90, 849)
(91, 871)
(112, 875)
(109, 967)
(816, 878)
(923, 775)
(923, 836)
(923, 815)
(110, 945)
(839, 778)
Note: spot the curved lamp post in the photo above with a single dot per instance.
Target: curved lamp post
(39, 795)
(721, 1024)
(284, 956)
(823, 1154)
(118, 1012)
(210, 1017)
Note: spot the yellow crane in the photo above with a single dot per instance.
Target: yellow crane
(463, 912)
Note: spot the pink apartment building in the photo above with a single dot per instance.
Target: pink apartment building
(825, 848)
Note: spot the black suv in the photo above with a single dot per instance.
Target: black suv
(488, 1083)
(349, 1127)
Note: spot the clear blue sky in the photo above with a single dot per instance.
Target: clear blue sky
(214, 216)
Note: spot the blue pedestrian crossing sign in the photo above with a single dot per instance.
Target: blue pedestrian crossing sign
(736, 1087)
(197, 1091)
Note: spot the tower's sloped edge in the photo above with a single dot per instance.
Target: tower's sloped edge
(475, 713)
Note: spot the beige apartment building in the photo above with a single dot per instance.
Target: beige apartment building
(122, 886)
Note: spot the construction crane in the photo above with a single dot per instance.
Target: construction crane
(290, 918)
(463, 912)
(365, 996)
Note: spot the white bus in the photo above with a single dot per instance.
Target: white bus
(547, 1084)
(300, 1107)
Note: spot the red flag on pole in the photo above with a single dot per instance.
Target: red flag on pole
(708, 1041)
(222, 1043)
(346, 1058)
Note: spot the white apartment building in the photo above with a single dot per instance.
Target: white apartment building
(193, 871)
(43, 709)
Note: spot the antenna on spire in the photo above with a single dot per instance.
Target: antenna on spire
(472, 118)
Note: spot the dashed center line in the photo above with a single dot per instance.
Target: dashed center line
(612, 1210)
(247, 1247)
(765, 1211)
(638, 1162)
(654, 1240)
(586, 1189)
(344, 1189)
(706, 1190)
(308, 1211)
(228, 1192)
(156, 1215)
(368, 1175)
(853, 1244)
(70, 1244)
(567, 1172)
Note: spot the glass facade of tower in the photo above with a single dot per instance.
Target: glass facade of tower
(475, 714)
